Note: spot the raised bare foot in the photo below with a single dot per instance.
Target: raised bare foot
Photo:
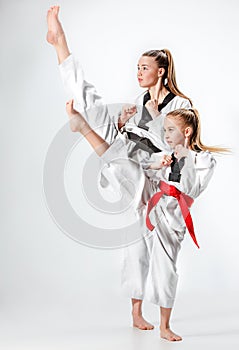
(167, 334)
(55, 30)
(141, 323)
(77, 121)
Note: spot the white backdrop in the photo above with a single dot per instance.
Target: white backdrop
(41, 267)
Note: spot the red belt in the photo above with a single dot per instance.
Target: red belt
(184, 202)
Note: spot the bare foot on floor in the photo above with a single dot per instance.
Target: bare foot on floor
(169, 335)
(141, 323)
(55, 30)
(77, 121)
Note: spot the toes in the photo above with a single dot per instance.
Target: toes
(175, 338)
(143, 328)
(171, 336)
(68, 106)
(56, 10)
(71, 104)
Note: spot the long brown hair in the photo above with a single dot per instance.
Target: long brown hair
(191, 118)
(164, 60)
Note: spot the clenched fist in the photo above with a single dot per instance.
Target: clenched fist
(180, 151)
(128, 111)
(164, 160)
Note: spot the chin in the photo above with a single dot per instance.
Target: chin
(171, 146)
(142, 85)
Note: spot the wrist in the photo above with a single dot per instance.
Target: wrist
(121, 121)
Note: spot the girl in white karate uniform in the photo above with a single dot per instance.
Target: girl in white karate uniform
(141, 128)
(171, 183)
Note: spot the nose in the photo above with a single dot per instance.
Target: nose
(166, 136)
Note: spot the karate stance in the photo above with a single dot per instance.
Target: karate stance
(141, 127)
(171, 184)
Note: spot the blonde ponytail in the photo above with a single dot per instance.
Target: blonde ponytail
(191, 118)
(171, 77)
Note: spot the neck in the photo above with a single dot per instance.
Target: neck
(158, 92)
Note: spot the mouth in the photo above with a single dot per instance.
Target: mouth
(140, 80)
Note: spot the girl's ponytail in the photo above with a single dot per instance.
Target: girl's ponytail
(171, 76)
(191, 118)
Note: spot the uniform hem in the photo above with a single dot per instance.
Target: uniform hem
(168, 304)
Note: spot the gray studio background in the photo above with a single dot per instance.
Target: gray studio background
(44, 275)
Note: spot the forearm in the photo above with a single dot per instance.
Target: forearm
(120, 123)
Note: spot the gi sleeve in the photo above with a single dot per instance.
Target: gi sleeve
(196, 172)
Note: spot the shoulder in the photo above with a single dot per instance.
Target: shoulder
(176, 103)
(182, 102)
(203, 159)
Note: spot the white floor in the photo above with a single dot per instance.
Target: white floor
(211, 324)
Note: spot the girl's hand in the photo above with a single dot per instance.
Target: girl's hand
(128, 111)
(165, 160)
(152, 107)
(180, 151)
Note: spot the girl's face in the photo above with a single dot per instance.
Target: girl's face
(173, 132)
(148, 72)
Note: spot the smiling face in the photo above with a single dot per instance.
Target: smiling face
(173, 132)
(148, 72)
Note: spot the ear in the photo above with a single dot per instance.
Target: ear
(188, 131)
(161, 72)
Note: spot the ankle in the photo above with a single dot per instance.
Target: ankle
(136, 312)
(61, 40)
(164, 327)
(84, 129)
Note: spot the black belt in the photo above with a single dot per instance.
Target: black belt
(142, 143)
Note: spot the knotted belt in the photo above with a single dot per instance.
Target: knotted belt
(184, 202)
